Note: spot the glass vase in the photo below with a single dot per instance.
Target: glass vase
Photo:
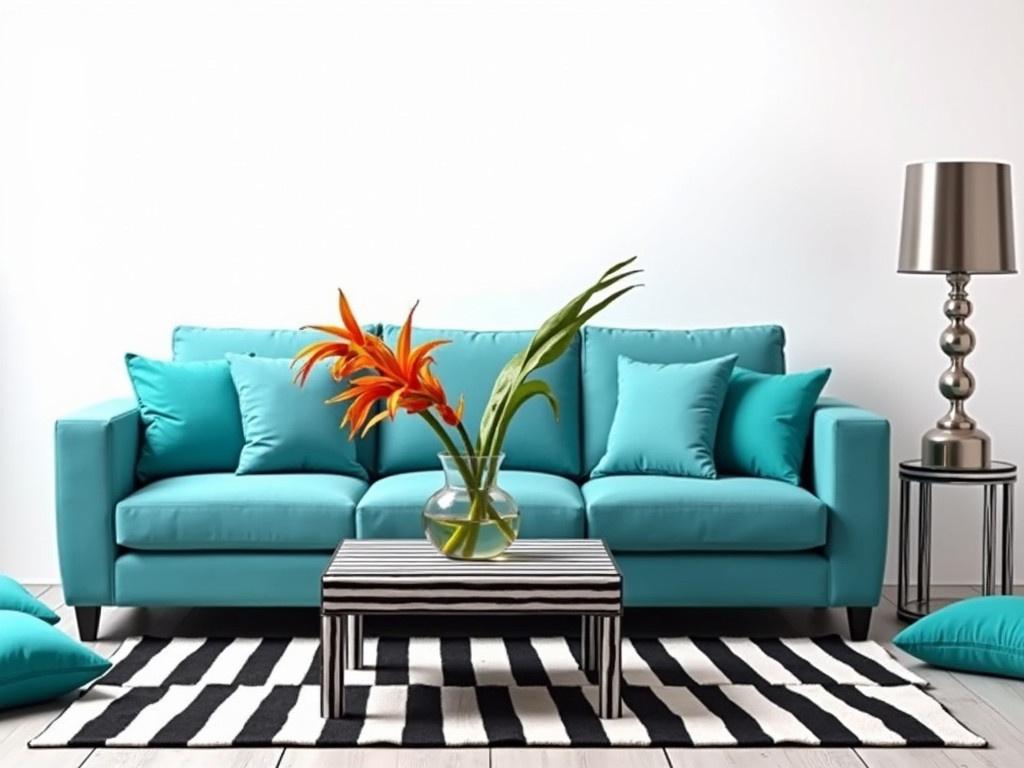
(471, 517)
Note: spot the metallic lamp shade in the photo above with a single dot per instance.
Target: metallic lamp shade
(957, 217)
(957, 221)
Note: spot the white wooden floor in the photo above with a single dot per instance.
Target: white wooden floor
(992, 707)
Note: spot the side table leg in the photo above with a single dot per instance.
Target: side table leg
(609, 691)
(988, 542)
(588, 643)
(354, 641)
(1008, 538)
(903, 572)
(332, 669)
(924, 547)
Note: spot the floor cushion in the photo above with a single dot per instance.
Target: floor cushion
(39, 661)
(550, 505)
(980, 634)
(240, 512)
(14, 597)
(681, 514)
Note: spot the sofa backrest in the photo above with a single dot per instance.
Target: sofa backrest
(191, 343)
(760, 348)
(468, 367)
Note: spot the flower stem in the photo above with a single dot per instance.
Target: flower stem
(473, 474)
(450, 447)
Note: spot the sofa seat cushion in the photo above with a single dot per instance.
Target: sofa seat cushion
(634, 513)
(240, 512)
(551, 506)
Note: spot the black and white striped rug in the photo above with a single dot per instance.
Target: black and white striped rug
(426, 691)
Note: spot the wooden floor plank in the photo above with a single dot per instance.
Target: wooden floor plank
(779, 757)
(18, 726)
(1003, 695)
(385, 758)
(535, 757)
(925, 758)
(183, 758)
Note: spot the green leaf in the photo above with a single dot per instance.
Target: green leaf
(521, 394)
(549, 343)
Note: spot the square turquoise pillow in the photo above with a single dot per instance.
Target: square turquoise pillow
(288, 428)
(190, 414)
(39, 662)
(14, 597)
(765, 421)
(980, 634)
(666, 418)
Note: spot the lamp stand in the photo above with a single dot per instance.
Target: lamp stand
(956, 442)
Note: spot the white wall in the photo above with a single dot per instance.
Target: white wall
(231, 163)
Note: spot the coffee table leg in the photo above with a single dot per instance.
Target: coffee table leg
(332, 669)
(354, 642)
(588, 643)
(609, 674)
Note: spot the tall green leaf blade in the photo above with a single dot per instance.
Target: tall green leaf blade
(549, 343)
(520, 395)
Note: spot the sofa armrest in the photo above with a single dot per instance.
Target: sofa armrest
(850, 473)
(96, 449)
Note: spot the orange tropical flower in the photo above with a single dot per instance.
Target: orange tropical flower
(401, 377)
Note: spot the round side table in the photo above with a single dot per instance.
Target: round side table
(999, 474)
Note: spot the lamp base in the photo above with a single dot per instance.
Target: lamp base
(955, 448)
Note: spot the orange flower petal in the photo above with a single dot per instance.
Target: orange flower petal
(405, 343)
(333, 330)
(393, 400)
(373, 422)
(349, 319)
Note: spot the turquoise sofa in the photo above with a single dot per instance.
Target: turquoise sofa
(263, 540)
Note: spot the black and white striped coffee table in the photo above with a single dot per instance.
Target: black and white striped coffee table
(562, 576)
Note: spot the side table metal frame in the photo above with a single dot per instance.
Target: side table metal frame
(999, 475)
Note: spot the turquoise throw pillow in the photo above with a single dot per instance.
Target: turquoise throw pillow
(38, 661)
(191, 418)
(666, 418)
(14, 597)
(288, 428)
(980, 634)
(766, 419)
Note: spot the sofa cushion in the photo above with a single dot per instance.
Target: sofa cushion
(196, 342)
(634, 513)
(759, 348)
(191, 417)
(666, 418)
(193, 342)
(468, 367)
(765, 421)
(240, 512)
(289, 428)
(551, 506)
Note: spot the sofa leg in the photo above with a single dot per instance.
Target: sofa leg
(88, 618)
(860, 621)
